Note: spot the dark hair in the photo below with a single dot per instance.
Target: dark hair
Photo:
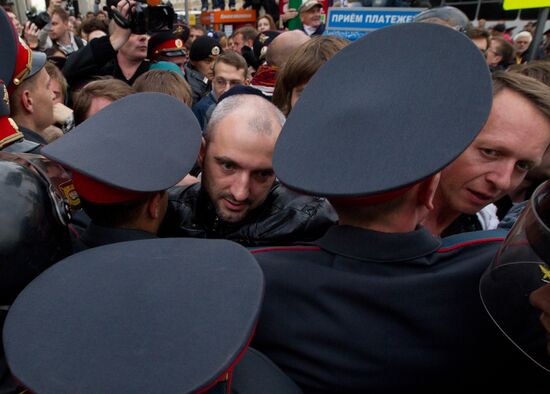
(90, 25)
(114, 215)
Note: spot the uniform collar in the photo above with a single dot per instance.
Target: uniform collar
(368, 245)
(96, 235)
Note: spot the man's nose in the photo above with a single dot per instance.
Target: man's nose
(240, 189)
(502, 177)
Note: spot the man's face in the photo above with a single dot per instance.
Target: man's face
(311, 18)
(521, 44)
(57, 92)
(194, 33)
(42, 99)
(225, 77)
(237, 167)
(512, 142)
(180, 61)
(135, 48)
(492, 55)
(481, 43)
(237, 43)
(97, 104)
(59, 28)
(205, 66)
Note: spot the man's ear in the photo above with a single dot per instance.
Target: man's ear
(202, 152)
(27, 101)
(427, 189)
(154, 205)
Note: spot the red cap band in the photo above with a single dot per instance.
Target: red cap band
(100, 193)
(23, 65)
(8, 131)
(175, 44)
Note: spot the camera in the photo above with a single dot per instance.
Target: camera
(40, 19)
(145, 17)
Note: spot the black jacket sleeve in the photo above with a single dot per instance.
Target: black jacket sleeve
(90, 60)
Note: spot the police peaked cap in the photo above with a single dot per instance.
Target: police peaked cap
(385, 112)
(144, 142)
(150, 316)
(203, 47)
(169, 43)
(17, 61)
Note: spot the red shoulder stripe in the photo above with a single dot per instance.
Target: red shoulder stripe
(282, 248)
(475, 242)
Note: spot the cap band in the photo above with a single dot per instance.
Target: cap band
(8, 131)
(100, 193)
(23, 65)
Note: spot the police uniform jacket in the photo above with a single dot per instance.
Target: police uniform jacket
(366, 312)
(33, 136)
(97, 58)
(96, 235)
(283, 218)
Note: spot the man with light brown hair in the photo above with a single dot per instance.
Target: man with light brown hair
(167, 82)
(97, 95)
(512, 142)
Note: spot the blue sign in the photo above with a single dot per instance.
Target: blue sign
(352, 23)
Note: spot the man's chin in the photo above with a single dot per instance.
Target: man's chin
(231, 217)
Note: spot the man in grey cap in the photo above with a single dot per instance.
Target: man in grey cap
(310, 15)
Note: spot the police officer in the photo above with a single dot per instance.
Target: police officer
(17, 63)
(169, 46)
(378, 304)
(122, 161)
(147, 316)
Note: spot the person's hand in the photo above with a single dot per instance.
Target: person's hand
(289, 14)
(120, 35)
(53, 4)
(61, 113)
(31, 34)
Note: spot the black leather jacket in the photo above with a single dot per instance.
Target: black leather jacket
(284, 218)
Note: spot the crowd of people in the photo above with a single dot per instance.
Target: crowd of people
(362, 190)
